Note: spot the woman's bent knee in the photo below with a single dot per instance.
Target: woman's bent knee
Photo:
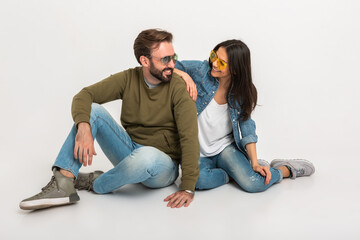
(253, 184)
(211, 178)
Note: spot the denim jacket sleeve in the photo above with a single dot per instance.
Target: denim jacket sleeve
(191, 67)
(244, 131)
(247, 130)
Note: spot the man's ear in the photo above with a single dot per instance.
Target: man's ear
(145, 62)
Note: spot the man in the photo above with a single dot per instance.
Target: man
(160, 124)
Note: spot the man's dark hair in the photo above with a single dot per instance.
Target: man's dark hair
(149, 40)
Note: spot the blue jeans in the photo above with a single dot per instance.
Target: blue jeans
(133, 163)
(215, 171)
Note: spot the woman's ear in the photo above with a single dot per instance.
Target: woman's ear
(145, 62)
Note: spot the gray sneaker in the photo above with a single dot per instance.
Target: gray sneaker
(59, 191)
(298, 167)
(263, 162)
(85, 181)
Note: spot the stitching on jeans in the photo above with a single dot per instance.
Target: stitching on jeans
(98, 117)
(226, 176)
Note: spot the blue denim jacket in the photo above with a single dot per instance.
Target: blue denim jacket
(207, 86)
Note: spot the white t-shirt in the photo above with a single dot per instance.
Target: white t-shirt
(215, 129)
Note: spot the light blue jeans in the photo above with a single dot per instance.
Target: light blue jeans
(215, 171)
(133, 163)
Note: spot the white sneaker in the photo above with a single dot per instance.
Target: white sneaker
(298, 167)
(263, 162)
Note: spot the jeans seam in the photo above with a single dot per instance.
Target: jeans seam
(69, 169)
(227, 179)
(99, 117)
(281, 176)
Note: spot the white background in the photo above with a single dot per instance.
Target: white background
(305, 63)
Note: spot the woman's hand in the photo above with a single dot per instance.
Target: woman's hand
(264, 171)
(190, 85)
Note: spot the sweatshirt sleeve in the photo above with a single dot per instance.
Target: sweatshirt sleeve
(107, 90)
(186, 121)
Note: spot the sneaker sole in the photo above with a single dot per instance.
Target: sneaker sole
(48, 202)
(280, 162)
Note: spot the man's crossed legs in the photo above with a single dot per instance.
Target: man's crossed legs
(133, 163)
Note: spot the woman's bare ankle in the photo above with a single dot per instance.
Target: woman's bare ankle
(285, 171)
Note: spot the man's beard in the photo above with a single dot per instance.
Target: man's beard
(158, 74)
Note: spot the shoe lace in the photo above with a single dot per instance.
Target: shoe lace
(85, 182)
(300, 172)
(48, 186)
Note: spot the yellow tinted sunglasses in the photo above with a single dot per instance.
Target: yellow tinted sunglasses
(221, 64)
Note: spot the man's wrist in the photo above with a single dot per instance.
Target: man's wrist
(83, 125)
(189, 191)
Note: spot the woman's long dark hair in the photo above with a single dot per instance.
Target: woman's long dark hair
(241, 88)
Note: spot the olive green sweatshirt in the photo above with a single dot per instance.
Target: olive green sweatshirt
(163, 117)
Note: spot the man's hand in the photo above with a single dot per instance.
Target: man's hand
(178, 199)
(190, 85)
(84, 144)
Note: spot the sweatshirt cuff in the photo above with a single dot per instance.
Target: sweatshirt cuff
(81, 118)
(188, 185)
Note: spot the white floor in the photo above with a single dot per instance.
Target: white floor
(305, 63)
(323, 206)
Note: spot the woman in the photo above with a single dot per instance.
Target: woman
(226, 97)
